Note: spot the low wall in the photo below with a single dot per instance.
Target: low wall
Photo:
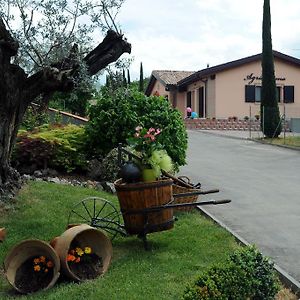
(215, 124)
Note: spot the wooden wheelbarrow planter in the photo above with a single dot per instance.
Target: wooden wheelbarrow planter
(145, 207)
(151, 211)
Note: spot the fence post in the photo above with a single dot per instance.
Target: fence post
(250, 116)
(263, 123)
(284, 125)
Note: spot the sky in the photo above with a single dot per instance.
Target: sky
(189, 34)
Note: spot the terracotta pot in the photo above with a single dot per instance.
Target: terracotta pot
(2, 234)
(85, 235)
(23, 251)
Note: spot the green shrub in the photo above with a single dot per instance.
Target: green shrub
(264, 280)
(59, 147)
(246, 275)
(116, 116)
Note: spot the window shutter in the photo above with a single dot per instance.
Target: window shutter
(288, 94)
(249, 93)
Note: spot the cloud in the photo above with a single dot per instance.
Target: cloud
(188, 34)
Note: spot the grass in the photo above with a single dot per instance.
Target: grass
(293, 141)
(176, 255)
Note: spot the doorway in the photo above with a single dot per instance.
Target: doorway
(201, 103)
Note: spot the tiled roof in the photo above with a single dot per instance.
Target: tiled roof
(171, 77)
(167, 78)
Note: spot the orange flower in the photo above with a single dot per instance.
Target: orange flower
(71, 257)
(37, 268)
(50, 264)
(36, 261)
(43, 259)
(77, 260)
(46, 271)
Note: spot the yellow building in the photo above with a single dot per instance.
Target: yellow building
(229, 89)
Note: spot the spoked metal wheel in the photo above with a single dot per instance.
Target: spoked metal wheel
(97, 212)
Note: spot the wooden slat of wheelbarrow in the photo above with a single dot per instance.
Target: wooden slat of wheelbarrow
(178, 180)
(2, 234)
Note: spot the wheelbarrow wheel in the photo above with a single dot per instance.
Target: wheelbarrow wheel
(97, 212)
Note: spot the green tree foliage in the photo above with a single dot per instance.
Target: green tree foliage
(117, 114)
(141, 83)
(115, 80)
(270, 116)
(75, 102)
(34, 118)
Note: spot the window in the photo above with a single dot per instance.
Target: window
(249, 93)
(288, 94)
(252, 93)
(257, 93)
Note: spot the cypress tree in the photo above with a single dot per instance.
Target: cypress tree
(124, 79)
(270, 116)
(107, 83)
(141, 83)
(128, 77)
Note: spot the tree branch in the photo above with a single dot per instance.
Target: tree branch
(60, 76)
(8, 46)
(112, 47)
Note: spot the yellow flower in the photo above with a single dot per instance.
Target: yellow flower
(87, 250)
(37, 268)
(79, 251)
(43, 259)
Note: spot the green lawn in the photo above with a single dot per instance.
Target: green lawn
(176, 257)
(293, 141)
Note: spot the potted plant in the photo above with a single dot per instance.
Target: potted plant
(153, 158)
(31, 266)
(85, 252)
(139, 195)
(84, 262)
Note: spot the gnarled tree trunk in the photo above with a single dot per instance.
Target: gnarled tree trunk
(17, 91)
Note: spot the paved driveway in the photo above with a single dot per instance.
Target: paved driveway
(263, 182)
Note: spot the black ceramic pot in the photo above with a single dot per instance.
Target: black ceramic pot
(130, 172)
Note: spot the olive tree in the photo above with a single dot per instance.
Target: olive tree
(48, 46)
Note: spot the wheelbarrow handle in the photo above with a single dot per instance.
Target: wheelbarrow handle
(196, 192)
(172, 205)
(210, 192)
(224, 201)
